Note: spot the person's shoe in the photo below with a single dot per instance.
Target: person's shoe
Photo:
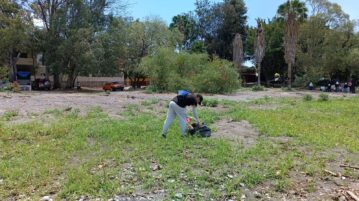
(164, 136)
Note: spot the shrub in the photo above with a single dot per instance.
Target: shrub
(308, 97)
(4, 73)
(323, 97)
(257, 88)
(210, 102)
(218, 77)
(170, 71)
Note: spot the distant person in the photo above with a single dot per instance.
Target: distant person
(311, 86)
(78, 85)
(337, 86)
(177, 108)
(346, 88)
(329, 88)
(352, 86)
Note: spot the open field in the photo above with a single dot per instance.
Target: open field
(269, 145)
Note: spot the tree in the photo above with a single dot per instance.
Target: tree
(69, 37)
(144, 38)
(14, 37)
(325, 40)
(292, 12)
(353, 61)
(259, 48)
(218, 24)
(273, 61)
(48, 12)
(238, 52)
(186, 24)
(295, 7)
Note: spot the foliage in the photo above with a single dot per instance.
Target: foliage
(170, 71)
(219, 22)
(186, 24)
(307, 97)
(208, 102)
(273, 60)
(257, 88)
(219, 77)
(4, 73)
(68, 39)
(14, 36)
(323, 97)
(325, 42)
(297, 8)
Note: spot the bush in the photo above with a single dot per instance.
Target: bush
(170, 71)
(218, 77)
(257, 88)
(210, 102)
(4, 73)
(308, 97)
(323, 97)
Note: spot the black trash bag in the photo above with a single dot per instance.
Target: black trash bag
(201, 129)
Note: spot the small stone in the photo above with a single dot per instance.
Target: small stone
(342, 198)
(46, 198)
(242, 184)
(179, 195)
(230, 176)
(243, 197)
(257, 195)
(171, 181)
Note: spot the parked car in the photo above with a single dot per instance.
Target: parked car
(41, 84)
(113, 86)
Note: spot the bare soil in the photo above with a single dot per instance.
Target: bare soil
(29, 103)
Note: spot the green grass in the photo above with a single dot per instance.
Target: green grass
(9, 115)
(101, 157)
(323, 124)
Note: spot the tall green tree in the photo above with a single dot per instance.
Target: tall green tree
(69, 37)
(186, 24)
(144, 38)
(15, 25)
(325, 40)
(218, 24)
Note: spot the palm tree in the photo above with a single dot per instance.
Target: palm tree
(293, 6)
(293, 11)
(238, 52)
(259, 48)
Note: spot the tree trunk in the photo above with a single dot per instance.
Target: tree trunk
(289, 76)
(259, 74)
(70, 78)
(125, 76)
(57, 83)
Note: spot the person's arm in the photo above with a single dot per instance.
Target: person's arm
(194, 111)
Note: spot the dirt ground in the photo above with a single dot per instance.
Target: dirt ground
(29, 103)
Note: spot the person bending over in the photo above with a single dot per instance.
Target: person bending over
(177, 107)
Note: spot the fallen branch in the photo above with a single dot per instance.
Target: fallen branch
(356, 198)
(349, 166)
(332, 173)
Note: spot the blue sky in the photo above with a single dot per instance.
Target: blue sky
(166, 9)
